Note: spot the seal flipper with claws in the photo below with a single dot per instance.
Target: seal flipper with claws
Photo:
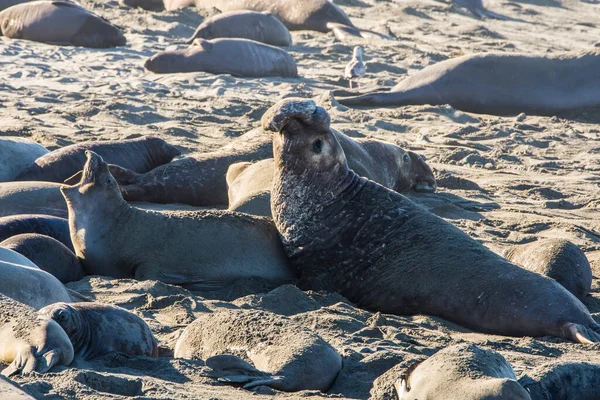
(385, 253)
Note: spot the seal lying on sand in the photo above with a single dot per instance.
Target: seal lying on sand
(258, 26)
(31, 198)
(139, 155)
(55, 227)
(387, 164)
(59, 22)
(96, 329)
(16, 154)
(563, 381)
(463, 372)
(28, 284)
(486, 83)
(286, 356)
(203, 249)
(252, 59)
(346, 234)
(558, 259)
(48, 254)
(30, 341)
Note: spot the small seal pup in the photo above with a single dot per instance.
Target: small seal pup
(96, 329)
(139, 155)
(252, 59)
(258, 26)
(346, 234)
(563, 381)
(356, 67)
(59, 22)
(486, 83)
(558, 259)
(24, 282)
(48, 254)
(31, 198)
(196, 249)
(55, 227)
(286, 356)
(30, 341)
(461, 372)
(16, 154)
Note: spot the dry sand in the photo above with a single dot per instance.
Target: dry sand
(504, 180)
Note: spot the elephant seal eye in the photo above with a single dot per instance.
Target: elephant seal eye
(107, 181)
(406, 158)
(317, 146)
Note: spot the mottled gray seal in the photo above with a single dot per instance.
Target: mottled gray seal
(26, 283)
(31, 198)
(48, 254)
(59, 22)
(30, 341)
(462, 372)
(346, 234)
(286, 355)
(237, 57)
(203, 249)
(139, 155)
(96, 329)
(258, 26)
(486, 83)
(558, 259)
(565, 380)
(55, 227)
(16, 154)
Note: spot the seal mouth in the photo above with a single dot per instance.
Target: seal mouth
(425, 187)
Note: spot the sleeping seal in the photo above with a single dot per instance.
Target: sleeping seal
(377, 248)
(202, 250)
(558, 259)
(237, 57)
(139, 155)
(59, 22)
(30, 341)
(286, 356)
(487, 83)
(24, 282)
(462, 372)
(48, 254)
(258, 26)
(55, 227)
(16, 154)
(31, 198)
(96, 329)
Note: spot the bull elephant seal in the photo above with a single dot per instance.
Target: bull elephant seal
(258, 26)
(139, 155)
(252, 59)
(16, 154)
(558, 259)
(387, 164)
(26, 283)
(286, 356)
(462, 372)
(377, 248)
(30, 341)
(486, 83)
(96, 329)
(31, 198)
(55, 227)
(48, 254)
(59, 22)
(202, 249)
(563, 381)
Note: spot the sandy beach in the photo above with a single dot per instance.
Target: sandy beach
(503, 180)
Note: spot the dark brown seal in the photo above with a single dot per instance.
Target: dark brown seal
(377, 248)
(258, 26)
(48, 254)
(96, 329)
(252, 59)
(139, 155)
(558, 259)
(462, 372)
(486, 83)
(59, 22)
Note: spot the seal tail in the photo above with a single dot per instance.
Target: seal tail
(342, 31)
(583, 334)
(249, 375)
